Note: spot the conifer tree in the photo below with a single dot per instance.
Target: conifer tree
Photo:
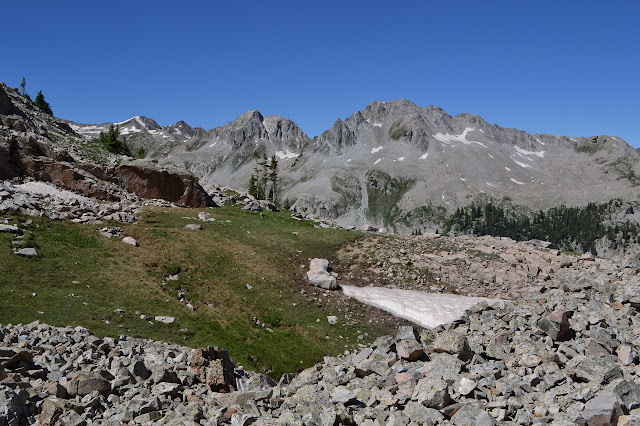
(42, 104)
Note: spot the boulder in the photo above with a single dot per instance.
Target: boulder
(148, 181)
(602, 410)
(130, 240)
(215, 368)
(319, 276)
(83, 383)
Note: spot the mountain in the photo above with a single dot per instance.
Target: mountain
(398, 165)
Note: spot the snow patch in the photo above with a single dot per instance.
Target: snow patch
(525, 153)
(286, 155)
(540, 142)
(490, 155)
(448, 138)
(377, 161)
(515, 181)
(377, 124)
(374, 150)
(490, 184)
(425, 309)
(213, 144)
(129, 130)
(462, 179)
(424, 156)
(507, 169)
(521, 164)
(400, 158)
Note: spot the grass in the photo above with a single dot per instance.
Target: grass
(81, 278)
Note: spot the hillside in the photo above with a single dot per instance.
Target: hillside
(399, 166)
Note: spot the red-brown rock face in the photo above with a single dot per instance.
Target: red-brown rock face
(148, 182)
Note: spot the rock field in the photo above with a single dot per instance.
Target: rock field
(563, 351)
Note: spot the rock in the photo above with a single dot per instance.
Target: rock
(369, 228)
(472, 414)
(452, 342)
(214, 367)
(10, 228)
(432, 393)
(332, 319)
(602, 410)
(83, 383)
(627, 393)
(409, 349)
(319, 276)
(130, 240)
(555, 324)
(27, 251)
(192, 227)
(165, 319)
(205, 217)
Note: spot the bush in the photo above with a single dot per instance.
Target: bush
(111, 142)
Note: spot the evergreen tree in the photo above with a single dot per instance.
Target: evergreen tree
(42, 104)
(112, 143)
(23, 86)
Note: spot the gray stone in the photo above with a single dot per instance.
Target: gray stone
(130, 240)
(83, 383)
(433, 393)
(27, 251)
(452, 342)
(555, 324)
(165, 319)
(192, 227)
(604, 409)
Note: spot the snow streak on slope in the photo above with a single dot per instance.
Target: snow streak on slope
(447, 138)
(425, 309)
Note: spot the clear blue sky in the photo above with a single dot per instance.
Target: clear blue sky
(563, 67)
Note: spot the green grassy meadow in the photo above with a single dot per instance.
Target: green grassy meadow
(81, 278)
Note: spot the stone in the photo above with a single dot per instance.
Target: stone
(452, 342)
(205, 217)
(27, 251)
(165, 319)
(130, 240)
(214, 367)
(409, 349)
(472, 414)
(604, 409)
(192, 227)
(10, 228)
(319, 276)
(432, 393)
(83, 383)
(627, 392)
(556, 324)
(332, 319)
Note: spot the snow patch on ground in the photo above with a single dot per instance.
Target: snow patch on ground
(521, 164)
(377, 124)
(374, 150)
(448, 138)
(349, 160)
(42, 188)
(525, 153)
(540, 142)
(129, 130)
(400, 158)
(425, 309)
(515, 181)
(463, 179)
(507, 169)
(213, 144)
(377, 161)
(286, 155)
(490, 184)
(424, 156)
(490, 155)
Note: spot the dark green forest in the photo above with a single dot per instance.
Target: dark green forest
(567, 228)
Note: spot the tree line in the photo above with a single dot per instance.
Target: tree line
(568, 228)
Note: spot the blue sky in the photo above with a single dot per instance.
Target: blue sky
(561, 67)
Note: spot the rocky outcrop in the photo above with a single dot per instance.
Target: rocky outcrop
(147, 181)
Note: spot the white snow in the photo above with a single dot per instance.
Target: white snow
(448, 138)
(521, 164)
(443, 196)
(424, 156)
(490, 184)
(462, 179)
(129, 130)
(137, 118)
(526, 153)
(213, 144)
(349, 160)
(490, 155)
(400, 158)
(139, 121)
(374, 150)
(515, 181)
(42, 188)
(425, 309)
(286, 155)
(507, 169)
(377, 161)
(540, 142)
(377, 124)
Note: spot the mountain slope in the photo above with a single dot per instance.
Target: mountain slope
(400, 166)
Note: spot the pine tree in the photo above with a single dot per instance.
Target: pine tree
(23, 86)
(42, 104)
(112, 143)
